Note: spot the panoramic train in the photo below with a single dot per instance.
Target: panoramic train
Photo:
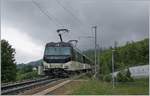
(61, 59)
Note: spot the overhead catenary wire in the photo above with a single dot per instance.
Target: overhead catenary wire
(79, 21)
(52, 18)
(56, 22)
(74, 16)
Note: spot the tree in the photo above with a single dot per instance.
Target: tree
(8, 65)
(131, 54)
(25, 69)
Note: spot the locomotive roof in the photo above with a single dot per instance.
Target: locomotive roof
(57, 44)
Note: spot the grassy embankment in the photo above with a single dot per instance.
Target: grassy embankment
(95, 87)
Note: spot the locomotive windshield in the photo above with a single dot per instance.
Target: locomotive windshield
(57, 51)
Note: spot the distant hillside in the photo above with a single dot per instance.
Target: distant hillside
(131, 54)
(32, 63)
(35, 63)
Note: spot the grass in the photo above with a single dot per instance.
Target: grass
(95, 87)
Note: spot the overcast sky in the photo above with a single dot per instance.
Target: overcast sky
(28, 29)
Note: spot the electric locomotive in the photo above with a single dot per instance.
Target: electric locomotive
(61, 59)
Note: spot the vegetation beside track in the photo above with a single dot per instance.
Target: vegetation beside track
(131, 54)
(8, 64)
(28, 75)
(96, 87)
(26, 72)
(10, 72)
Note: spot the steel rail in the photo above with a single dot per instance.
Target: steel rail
(49, 90)
(25, 86)
(5, 87)
(26, 80)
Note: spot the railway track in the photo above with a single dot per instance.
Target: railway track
(40, 86)
(58, 85)
(10, 83)
(13, 89)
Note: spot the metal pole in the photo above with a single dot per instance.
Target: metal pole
(95, 27)
(113, 79)
(98, 61)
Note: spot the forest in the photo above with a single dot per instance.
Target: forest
(131, 54)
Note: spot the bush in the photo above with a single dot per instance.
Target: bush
(28, 75)
(101, 77)
(107, 78)
(124, 76)
(128, 74)
(121, 77)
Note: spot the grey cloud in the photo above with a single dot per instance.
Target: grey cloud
(117, 20)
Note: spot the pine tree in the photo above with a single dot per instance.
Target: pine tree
(8, 66)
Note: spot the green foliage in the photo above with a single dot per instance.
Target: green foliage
(107, 78)
(128, 73)
(124, 76)
(26, 72)
(131, 54)
(8, 65)
(28, 75)
(25, 69)
(121, 77)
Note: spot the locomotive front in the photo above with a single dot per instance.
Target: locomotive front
(55, 56)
